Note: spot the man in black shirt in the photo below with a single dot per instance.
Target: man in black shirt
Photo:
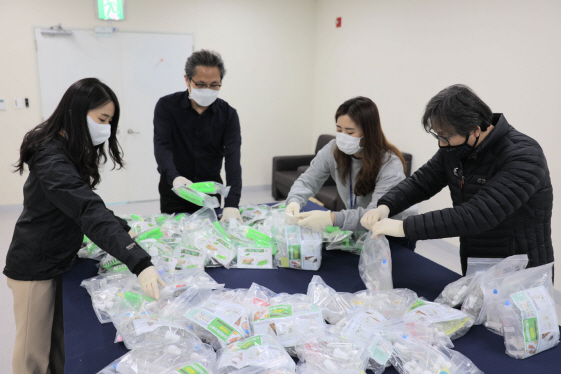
(193, 132)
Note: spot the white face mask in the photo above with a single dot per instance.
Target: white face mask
(203, 96)
(98, 132)
(348, 144)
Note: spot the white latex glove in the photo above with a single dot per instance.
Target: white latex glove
(229, 213)
(149, 280)
(387, 226)
(293, 209)
(374, 215)
(181, 181)
(316, 220)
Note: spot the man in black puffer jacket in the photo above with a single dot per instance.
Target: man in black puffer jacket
(498, 179)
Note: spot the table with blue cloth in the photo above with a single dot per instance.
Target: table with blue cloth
(90, 345)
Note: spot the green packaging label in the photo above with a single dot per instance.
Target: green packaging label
(419, 303)
(221, 329)
(190, 253)
(191, 369)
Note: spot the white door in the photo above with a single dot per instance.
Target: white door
(140, 68)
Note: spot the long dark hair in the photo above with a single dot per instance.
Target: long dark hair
(70, 117)
(364, 114)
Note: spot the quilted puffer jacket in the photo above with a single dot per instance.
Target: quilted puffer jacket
(502, 198)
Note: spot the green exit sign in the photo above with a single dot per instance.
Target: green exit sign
(111, 10)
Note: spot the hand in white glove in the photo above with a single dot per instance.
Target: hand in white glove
(228, 213)
(316, 220)
(181, 181)
(374, 215)
(293, 209)
(149, 280)
(387, 226)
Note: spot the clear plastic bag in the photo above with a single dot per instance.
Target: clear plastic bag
(254, 213)
(452, 322)
(455, 293)
(196, 197)
(333, 305)
(211, 188)
(219, 322)
(213, 238)
(529, 322)
(303, 248)
(254, 354)
(258, 296)
(333, 234)
(191, 367)
(104, 290)
(353, 244)
(375, 264)
(475, 303)
(281, 321)
(164, 358)
(412, 355)
(332, 354)
(190, 257)
(499, 289)
(389, 303)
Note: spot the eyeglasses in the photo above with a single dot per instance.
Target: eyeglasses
(204, 85)
(443, 139)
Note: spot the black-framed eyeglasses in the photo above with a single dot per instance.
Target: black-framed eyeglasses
(204, 85)
(443, 139)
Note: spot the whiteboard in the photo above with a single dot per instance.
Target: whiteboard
(140, 68)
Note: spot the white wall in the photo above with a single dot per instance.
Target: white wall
(267, 47)
(401, 53)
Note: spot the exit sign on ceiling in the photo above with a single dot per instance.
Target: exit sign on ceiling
(111, 10)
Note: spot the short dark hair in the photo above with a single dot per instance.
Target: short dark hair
(204, 58)
(457, 106)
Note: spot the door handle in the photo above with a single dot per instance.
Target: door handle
(130, 131)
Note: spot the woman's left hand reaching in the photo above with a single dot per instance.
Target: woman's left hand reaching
(388, 226)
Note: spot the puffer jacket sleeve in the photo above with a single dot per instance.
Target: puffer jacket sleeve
(522, 174)
(63, 187)
(422, 185)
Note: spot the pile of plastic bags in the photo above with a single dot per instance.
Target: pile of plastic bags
(509, 300)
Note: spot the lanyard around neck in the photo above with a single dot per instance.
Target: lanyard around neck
(353, 205)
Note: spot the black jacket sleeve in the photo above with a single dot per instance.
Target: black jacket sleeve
(63, 187)
(512, 186)
(422, 185)
(232, 156)
(163, 134)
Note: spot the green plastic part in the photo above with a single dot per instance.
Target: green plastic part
(204, 187)
(258, 236)
(191, 196)
(154, 233)
(136, 217)
(330, 229)
(136, 299)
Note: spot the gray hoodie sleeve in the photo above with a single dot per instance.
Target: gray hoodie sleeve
(391, 173)
(310, 182)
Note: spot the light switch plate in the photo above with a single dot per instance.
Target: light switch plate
(18, 103)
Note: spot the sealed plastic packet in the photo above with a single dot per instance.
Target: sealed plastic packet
(258, 296)
(332, 354)
(165, 358)
(303, 248)
(211, 237)
(390, 303)
(333, 234)
(181, 281)
(333, 305)
(280, 321)
(259, 352)
(190, 257)
(255, 257)
(512, 283)
(475, 303)
(453, 322)
(104, 290)
(191, 367)
(90, 250)
(253, 213)
(529, 322)
(412, 355)
(196, 197)
(109, 264)
(211, 188)
(219, 322)
(455, 292)
(375, 264)
(353, 243)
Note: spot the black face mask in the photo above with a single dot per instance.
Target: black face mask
(462, 151)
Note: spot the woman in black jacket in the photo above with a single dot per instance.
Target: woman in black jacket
(63, 155)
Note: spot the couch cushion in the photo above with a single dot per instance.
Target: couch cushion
(286, 178)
